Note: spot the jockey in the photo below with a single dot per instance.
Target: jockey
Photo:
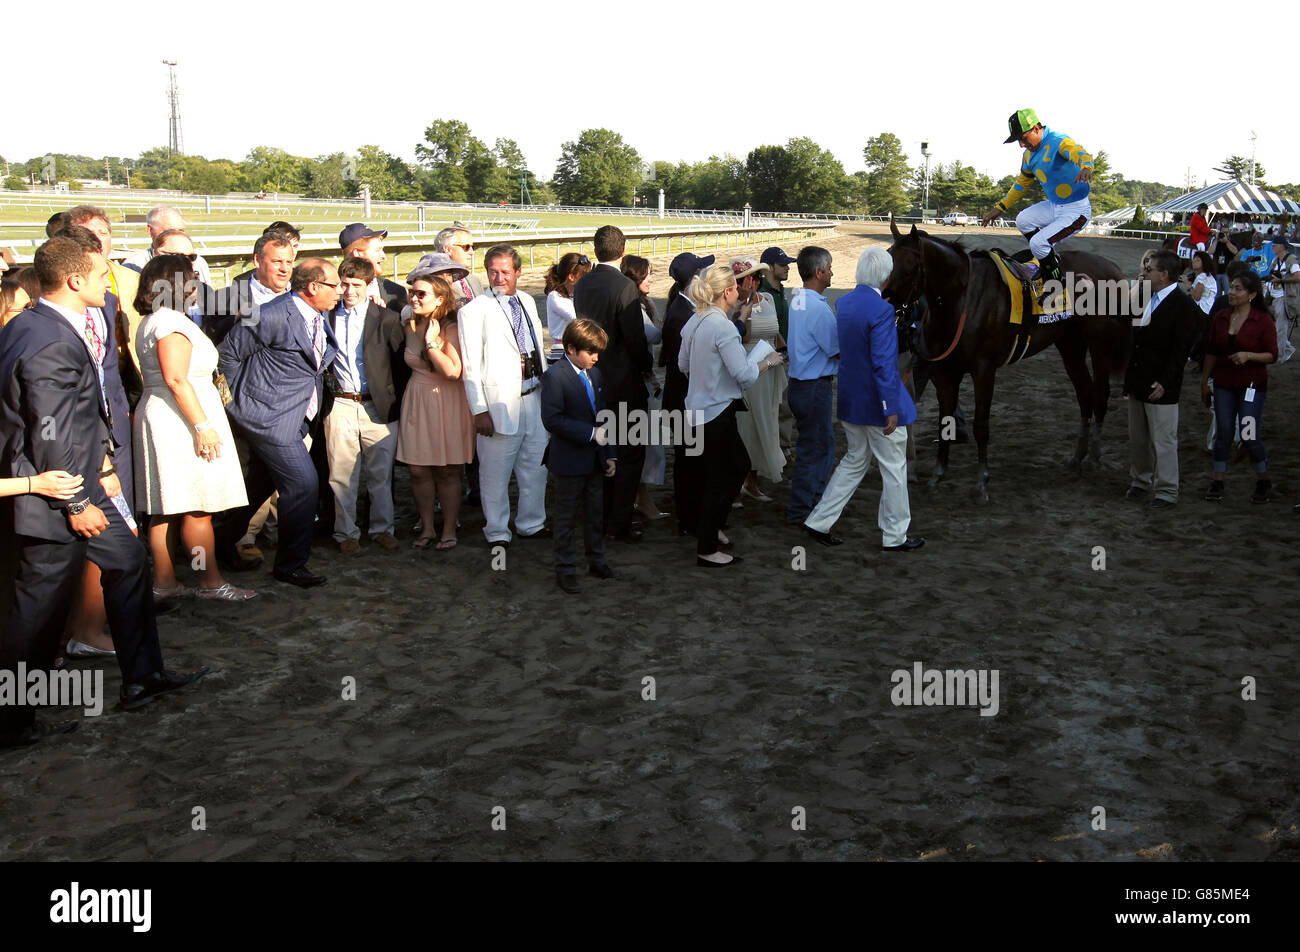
(1063, 169)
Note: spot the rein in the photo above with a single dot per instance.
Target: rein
(961, 323)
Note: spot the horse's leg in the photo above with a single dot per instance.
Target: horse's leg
(1073, 355)
(1100, 351)
(945, 389)
(983, 377)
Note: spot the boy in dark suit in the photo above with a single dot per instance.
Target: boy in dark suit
(579, 453)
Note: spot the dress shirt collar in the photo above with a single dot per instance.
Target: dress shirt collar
(308, 312)
(78, 321)
(576, 369)
(616, 265)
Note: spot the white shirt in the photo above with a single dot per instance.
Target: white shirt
(350, 364)
(559, 311)
(1278, 290)
(309, 318)
(78, 322)
(1210, 292)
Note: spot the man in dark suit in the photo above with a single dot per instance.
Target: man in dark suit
(578, 454)
(273, 255)
(1162, 339)
(608, 297)
(359, 241)
(53, 415)
(361, 422)
(275, 363)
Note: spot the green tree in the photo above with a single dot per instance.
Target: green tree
(273, 170)
(768, 170)
(1103, 190)
(817, 181)
(719, 182)
(390, 179)
(598, 168)
(447, 147)
(887, 174)
(15, 183)
(1238, 167)
(326, 177)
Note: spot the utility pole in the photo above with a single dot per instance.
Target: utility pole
(174, 144)
(925, 151)
(108, 173)
(1252, 156)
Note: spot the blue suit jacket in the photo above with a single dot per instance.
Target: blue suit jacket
(870, 386)
(269, 364)
(568, 416)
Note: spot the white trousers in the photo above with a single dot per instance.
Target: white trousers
(1049, 220)
(520, 453)
(890, 452)
(356, 439)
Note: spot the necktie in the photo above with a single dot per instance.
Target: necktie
(521, 335)
(591, 394)
(318, 348)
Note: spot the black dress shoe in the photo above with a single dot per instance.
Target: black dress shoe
(35, 732)
(301, 577)
(1135, 494)
(569, 583)
(706, 564)
(907, 545)
(632, 535)
(236, 562)
(542, 533)
(825, 538)
(1160, 504)
(602, 571)
(137, 694)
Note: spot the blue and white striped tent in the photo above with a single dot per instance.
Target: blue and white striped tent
(1232, 198)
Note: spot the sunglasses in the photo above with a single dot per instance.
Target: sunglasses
(584, 261)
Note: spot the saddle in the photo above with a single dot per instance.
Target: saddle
(1028, 309)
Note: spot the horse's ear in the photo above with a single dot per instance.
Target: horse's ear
(893, 227)
(913, 231)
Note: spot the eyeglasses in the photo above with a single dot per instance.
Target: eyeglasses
(584, 261)
(327, 284)
(418, 295)
(193, 256)
(469, 247)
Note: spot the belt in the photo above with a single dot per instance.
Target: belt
(532, 390)
(358, 397)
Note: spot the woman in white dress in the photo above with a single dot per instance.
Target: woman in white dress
(186, 467)
(760, 429)
(561, 278)
(638, 270)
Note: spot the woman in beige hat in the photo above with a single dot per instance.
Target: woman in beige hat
(759, 428)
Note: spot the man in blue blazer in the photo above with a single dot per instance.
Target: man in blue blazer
(53, 416)
(874, 407)
(274, 361)
(579, 453)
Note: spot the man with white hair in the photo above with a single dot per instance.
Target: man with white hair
(160, 219)
(457, 243)
(874, 407)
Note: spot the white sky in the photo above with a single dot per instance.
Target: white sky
(677, 80)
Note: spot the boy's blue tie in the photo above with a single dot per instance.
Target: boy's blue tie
(591, 394)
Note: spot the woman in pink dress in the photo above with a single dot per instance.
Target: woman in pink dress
(435, 437)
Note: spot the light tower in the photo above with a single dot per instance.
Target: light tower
(174, 143)
(925, 202)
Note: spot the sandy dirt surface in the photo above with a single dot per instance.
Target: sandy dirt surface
(479, 688)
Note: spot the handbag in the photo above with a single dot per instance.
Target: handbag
(223, 388)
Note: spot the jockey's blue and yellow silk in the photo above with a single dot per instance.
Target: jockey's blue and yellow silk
(1054, 165)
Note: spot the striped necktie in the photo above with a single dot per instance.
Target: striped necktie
(318, 348)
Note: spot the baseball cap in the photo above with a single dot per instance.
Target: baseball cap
(686, 265)
(355, 232)
(775, 256)
(1020, 122)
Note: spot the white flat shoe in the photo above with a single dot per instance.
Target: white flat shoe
(226, 593)
(76, 649)
(759, 496)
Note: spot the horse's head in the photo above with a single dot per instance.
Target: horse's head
(906, 282)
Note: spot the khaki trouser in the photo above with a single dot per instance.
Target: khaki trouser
(355, 439)
(1153, 447)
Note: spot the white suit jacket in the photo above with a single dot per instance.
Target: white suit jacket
(491, 357)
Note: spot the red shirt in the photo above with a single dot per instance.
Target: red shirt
(1258, 335)
(1200, 231)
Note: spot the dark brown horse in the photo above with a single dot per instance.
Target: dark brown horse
(966, 330)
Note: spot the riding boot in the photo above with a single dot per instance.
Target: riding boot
(1049, 273)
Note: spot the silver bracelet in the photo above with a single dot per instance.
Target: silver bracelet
(201, 426)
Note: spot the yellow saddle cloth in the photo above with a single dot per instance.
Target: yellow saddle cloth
(1026, 295)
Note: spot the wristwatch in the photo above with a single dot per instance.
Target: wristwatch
(77, 508)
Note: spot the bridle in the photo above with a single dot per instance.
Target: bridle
(915, 293)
